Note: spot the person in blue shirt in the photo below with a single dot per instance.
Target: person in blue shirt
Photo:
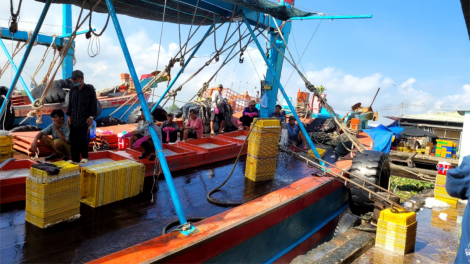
(296, 137)
(249, 114)
(277, 114)
(458, 186)
(59, 143)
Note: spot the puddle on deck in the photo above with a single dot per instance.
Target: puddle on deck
(436, 241)
(113, 227)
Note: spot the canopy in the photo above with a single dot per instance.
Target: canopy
(395, 128)
(153, 9)
(382, 137)
(416, 132)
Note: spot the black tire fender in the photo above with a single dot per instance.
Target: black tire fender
(374, 167)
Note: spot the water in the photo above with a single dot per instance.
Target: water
(208, 145)
(168, 152)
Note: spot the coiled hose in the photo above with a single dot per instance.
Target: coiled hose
(217, 202)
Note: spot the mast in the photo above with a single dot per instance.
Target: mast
(67, 65)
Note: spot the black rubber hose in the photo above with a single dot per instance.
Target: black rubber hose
(217, 202)
(177, 222)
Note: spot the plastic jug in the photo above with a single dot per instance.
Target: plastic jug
(92, 129)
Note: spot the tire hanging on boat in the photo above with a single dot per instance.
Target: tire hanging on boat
(26, 128)
(159, 114)
(374, 167)
(56, 93)
(109, 121)
(203, 109)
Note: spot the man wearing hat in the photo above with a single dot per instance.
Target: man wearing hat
(80, 114)
(249, 114)
(218, 109)
(169, 130)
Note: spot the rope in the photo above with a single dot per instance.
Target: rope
(17, 49)
(43, 60)
(419, 175)
(161, 34)
(214, 201)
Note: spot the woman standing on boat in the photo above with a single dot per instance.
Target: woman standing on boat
(80, 114)
(218, 109)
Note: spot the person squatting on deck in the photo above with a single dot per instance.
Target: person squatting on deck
(141, 138)
(296, 136)
(458, 186)
(218, 109)
(249, 113)
(277, 114)
(80, 114)
(170, 130)
(59, 143)
(193, 129)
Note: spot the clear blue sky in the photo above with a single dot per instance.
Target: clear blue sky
(421, 46)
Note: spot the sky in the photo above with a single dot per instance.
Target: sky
(417, 54)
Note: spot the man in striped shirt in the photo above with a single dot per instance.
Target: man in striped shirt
(80, 114)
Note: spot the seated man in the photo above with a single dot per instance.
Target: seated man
(141, 138)
(169, 130)
(193, 129)
(249, 114)
(59, 143)
(277, 114)
(295, 135)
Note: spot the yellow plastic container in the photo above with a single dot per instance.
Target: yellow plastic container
(319, 150)
(450, 201)
(6, 149)
(266, 122)
(6, 140)
(6, 156)
(401, 218)
(52, 199)
(109, 182)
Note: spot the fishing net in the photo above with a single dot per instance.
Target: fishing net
(203, 110)
(153, 9)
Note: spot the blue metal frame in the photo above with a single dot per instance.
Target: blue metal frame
(13, 66)
(331, 17)
(276, 79)
(182, 69)
(29, 47)
(148, 118)
(67, 64)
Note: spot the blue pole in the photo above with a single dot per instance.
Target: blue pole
(331, 17)
(182, 69)
(148, 118)
(16, 70)
(26, 54)
(276, 79)
(67, 65)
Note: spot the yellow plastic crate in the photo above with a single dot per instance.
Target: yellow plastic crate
(401, 218)
(6, 140)
(5, 156)
(52, 202)
(450, 201)
(66, 170)
(441, 179)
(110, 182)
(266, 122)
(396, 247)
(392, 230)
(319, 150)
(6, 149)
(440, 191)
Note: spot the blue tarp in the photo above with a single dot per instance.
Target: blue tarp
(395, 128)
(382, 137)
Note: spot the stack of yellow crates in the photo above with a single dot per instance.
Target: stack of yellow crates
(396, 231)
(110, 182)
(52, 199)
(6, 147)
(440, 192)
(263, 146)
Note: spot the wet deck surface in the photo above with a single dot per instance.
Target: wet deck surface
(110, 228)
(436, 242)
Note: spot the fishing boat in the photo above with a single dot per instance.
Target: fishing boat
(221, 215)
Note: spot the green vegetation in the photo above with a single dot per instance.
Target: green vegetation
(406, 188)
(172, 108)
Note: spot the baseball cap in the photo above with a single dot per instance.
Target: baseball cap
(77, 74)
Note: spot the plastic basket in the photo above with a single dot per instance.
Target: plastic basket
(5, 156)
(266, 122)
(66, 170)
(441, 179)
(6, 149)
(450, 201)
(106, 183)
(52, 202)
(319, 150)
(6, 140)
(401, 218)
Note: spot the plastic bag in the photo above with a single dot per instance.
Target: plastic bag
(264, 101)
